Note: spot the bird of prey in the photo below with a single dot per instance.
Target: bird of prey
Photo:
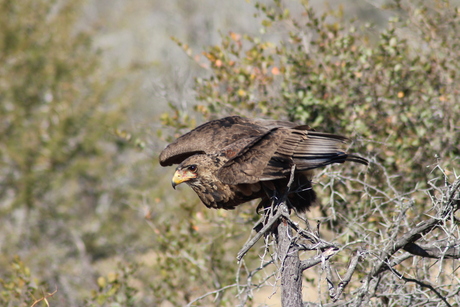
(233, 160)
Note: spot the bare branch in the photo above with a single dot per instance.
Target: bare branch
(267, 227)
(291, 273)
(210, 293)
(45, 298)
(424, 285)
(448, 207)
(324, 256)
(431, 251)
(346, 279)
(401, 236)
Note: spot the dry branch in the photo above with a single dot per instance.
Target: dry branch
(289, 236)
(291, 272)
(432, 251)
(448, 207)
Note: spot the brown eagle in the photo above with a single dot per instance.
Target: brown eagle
(233, 160)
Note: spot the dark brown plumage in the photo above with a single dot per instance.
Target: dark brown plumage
(233, 160)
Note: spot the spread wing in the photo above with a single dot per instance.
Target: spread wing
(211, 138)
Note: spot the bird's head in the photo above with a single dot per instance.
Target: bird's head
(184, 173)
(197, 168)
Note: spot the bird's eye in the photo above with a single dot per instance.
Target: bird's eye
(192, 167)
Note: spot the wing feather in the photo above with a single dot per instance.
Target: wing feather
(258, 150)
(307, 150)
(210, 138)
(248, 166)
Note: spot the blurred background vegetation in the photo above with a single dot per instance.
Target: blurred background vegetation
(91, 91)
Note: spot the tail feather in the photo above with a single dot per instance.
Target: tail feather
(321, 149)
(307, 150)
(357, 159)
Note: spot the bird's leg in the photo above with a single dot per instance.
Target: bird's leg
(276, 197)
(302, 188)
(268, 206)
(288, 191)
(271, 195)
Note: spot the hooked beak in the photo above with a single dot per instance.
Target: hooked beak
(181, 176)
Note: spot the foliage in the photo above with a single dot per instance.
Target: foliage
(114, 289)
(20, 289)
(57, 149)
(203, 244)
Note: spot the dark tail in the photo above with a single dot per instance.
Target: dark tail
(357, 159)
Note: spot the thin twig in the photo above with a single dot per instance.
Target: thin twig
(422, 284)
(329, 278)
(324, 256)
(211, 293)
(422, 229)
(436, 252)
(44, 298)
(251, 242)
(346, 279)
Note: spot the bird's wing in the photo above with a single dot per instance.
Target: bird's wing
(309, 150)
(272, 155)
(249, 164)
(210, 138)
